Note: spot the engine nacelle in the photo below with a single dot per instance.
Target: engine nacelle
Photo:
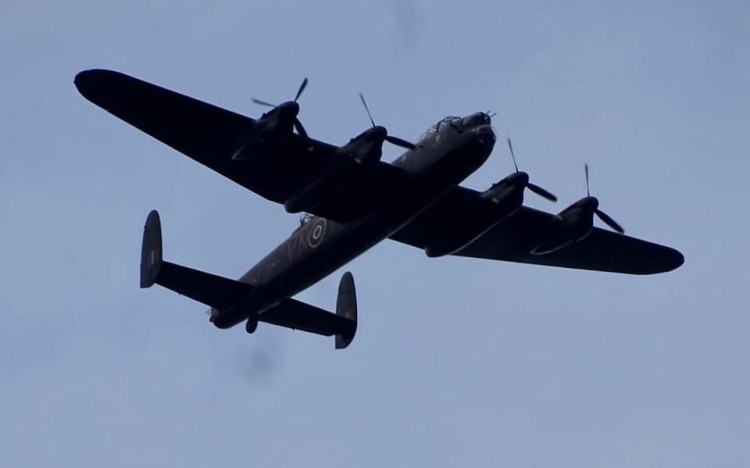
(366, 148)
(573, 224)
(350, 163)
(272, 129)
(507, 194)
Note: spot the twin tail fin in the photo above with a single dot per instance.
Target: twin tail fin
(222, 293)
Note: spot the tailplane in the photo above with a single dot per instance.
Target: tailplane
(297, 315)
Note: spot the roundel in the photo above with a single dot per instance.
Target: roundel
(316, 232)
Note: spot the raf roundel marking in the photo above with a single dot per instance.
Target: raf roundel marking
(316, 233)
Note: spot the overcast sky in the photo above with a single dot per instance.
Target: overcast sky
(457, 362)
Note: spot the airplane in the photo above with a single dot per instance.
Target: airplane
(353, 200)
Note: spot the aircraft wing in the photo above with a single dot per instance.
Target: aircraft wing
(513, 239)
(210, 135)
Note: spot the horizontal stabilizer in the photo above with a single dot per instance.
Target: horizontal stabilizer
(212, 290)
(215, 291)
(297, 315)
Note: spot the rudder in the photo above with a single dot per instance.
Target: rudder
(151, 250)
(346, 307)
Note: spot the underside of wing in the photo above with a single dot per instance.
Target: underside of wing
(515, 238)
(298, 315)
(601, 250)
(212, 136)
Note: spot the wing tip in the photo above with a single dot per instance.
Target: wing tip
(668, 260)
(87, 82)
(673, 259)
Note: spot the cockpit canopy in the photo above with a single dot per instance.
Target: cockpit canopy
(459, 123)
(305, 218)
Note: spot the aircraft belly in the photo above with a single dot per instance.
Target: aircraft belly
(321, 246)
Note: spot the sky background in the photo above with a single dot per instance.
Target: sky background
(457, 362)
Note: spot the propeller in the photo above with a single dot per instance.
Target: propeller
(606, 219)
(533, 187)
(390, 139)
(301, 88)
(296, 96)
(297, 124)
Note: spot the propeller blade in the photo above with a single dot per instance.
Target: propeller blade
(586, 168)
(609, 221)
(541, 192)
(399, 142)
(301, 88)
(263, 103)
(512, 155)
(300, 129)
(367, 109)
(390, 139)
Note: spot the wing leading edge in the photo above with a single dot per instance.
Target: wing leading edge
(513, 239)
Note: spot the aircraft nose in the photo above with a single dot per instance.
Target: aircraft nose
(485, 134)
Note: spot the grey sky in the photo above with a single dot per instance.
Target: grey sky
(457, 362)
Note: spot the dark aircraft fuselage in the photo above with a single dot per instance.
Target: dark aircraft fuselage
(448, 153)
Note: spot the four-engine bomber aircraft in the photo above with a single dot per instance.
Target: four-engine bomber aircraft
(354, 201)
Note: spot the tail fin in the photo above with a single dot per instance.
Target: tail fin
(151, 250)
(346, 306)
(213, 290)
